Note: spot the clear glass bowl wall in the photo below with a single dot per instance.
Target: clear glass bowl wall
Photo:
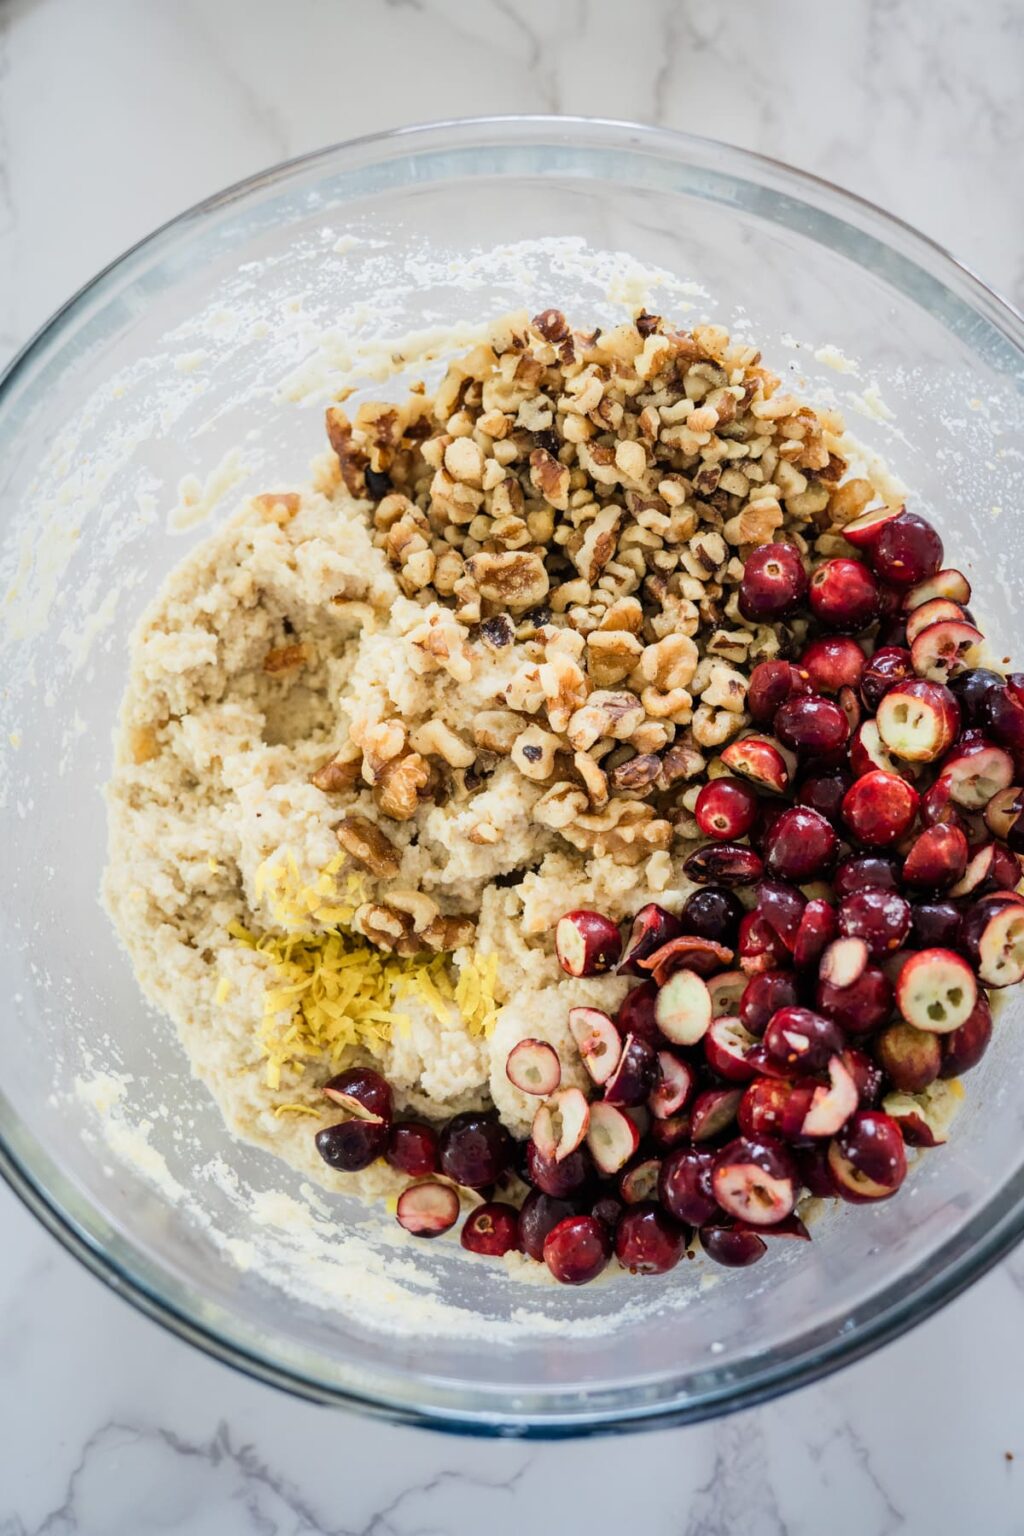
(182, 352)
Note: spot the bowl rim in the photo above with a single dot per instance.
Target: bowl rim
(911, 1302)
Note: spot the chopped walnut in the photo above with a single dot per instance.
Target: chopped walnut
(369, 846)
(669, 663)
(560, 805)
(399, 784)
(533, 753)
(386, 928)
(714, 727)
(595, 780)
(512, 580)
(144, 744)
(565, 688)
(340, 773)
(444, 934)
(637, 774)
(435, 739)
(495, 730)
(616, 715)
(611, 656)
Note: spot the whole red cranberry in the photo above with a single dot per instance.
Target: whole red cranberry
(801, 846)
(880, 918)
(844, 595)
(812, 726)
(474, 1149)
(577, 1249)
(972, 689)
(831, 663)
(764, 995)
(906, 550)
(412, 1148)
(726, 809)
(538, 1214)
(712, 913)
(865, 869)
(684, 1185)
(648, 1241)
(824, 791)
(774, 582)
(890, 664)
(771, 684)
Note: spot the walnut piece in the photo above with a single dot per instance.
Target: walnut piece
(398, 786)
(369, 846)
(511, 579)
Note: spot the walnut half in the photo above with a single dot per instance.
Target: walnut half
(369, 846)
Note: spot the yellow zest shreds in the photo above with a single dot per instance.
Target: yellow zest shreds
(293, 904)
(295, 1109)
(223, 991)
(332, 990)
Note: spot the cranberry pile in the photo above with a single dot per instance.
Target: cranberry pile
(749, 1062)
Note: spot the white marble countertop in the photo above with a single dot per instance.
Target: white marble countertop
(113, 117)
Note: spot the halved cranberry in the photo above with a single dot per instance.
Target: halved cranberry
(844, 962)
(538, 1214)
(726, 1045)
(759, 947)
(964, 1047)
(652, 927)
(760, 760)
(557, 1178)
(648, 1241)
(725, 991)
(611, 1136)
(890, 664)
(492, 1229)
(475, 1149)
(831, 1107)
(861, 1007)
(977, 877)
(684, 1185)
(949, 584)
(712, 913)
(934, 925)
(429, 1209)
(774, 582)
(771, 684)
(818, 927)
(726, 809)
(800, 1041)
(907, 550)
(412, 1148)
(910, 1058)
(353, 1145)
(824, 792)
(936, 858)
(867, 1158)
(533, 1066)
(880, 808)
(1005, 874)
(843, 594)
(640, 1181)
(362, 1092)
(636, 1069)
(782, 907)
(801, 845)
(972, 689)
(712, 1112)
(880, 918)
(666, 1134)
(587, 943)
(866, 1075)
(937, 611)
(577, 1249)
(723, 864)
(993, 936)
(868, 751)
(755, 1180)
(597, 1040)
(731, 1245)
(831, 663)
(688, 952)
(636, 1014)
(812, 726)
(1003, 816)
(975, 771)
(862, 870)
(683, 1009)
(944, 649)
(918, 720)
(763, 996)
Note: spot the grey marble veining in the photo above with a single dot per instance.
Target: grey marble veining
(115, 115)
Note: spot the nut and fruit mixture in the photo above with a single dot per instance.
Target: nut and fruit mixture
(582, 812)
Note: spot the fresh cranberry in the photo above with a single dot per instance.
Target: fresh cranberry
(824, 792)
(648, 1241)
(684, 1185)
(936, 859)
(712, 913)
(910, 1058)
(939, 809)
(880, 808)
(587, 943)
(934, 925)
(863, 870)
(412, 1148)
(1004, 719)
(363, 1092)
(812, 726)
(558, 1179)
(492, 1229)
(865, 1005)
(890, 664)
(963, 1048)
(755, 1180)
(474, 1149)
(651, 928)
(726, 809)
(732, 1246)
(771, 684)
(880, 918)
(833, 662)
(798, 1040)
(774, 582)
(972, 690)
(538, 1214)
(723, 864)
(866, 1075)
(774, 1106)
(801, 845)
(759, 947)
(577, 1249)
(353, 1145)
(868, 1158)
(906, 550)
(764, 995)
(782, 907)
(843, 594)
(636, 1014)
(609, 1209)
(818, 927)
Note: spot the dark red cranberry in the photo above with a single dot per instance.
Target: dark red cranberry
(474, 1149)
(812, 726)
(755, 1180)
(363, 1092)
(577, 1249)
(964, 1047)
(864, 870)
(652, 927)
(866, 1074)
(353, 1145)
(412, 1148)
(972, 689)
(774, 582)
(799, 1040)
(558, 1178)
(1004, 719)
(832, 662)
(684, 1185)
(732, 1246)
(934, 925)
(880, 808)
(538, 1214)
(863, 1006)
(906, 550)
(815, 1173)
(936, 858)
(782, 906)
(771, 684)
(868, 1158)
(670, 1132)
(712, 913)
(880, 918)
(764, 995)
(723, 864)
(726, 809)
(609, 1209)
(801, 845)
(759, 947)
(843, 594)
(890, 664)
(492, 1229)
(636, 1014)
(648, 1241)
(824, 792)
(818, 927)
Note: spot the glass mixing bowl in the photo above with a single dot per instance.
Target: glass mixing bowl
(207, 350)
